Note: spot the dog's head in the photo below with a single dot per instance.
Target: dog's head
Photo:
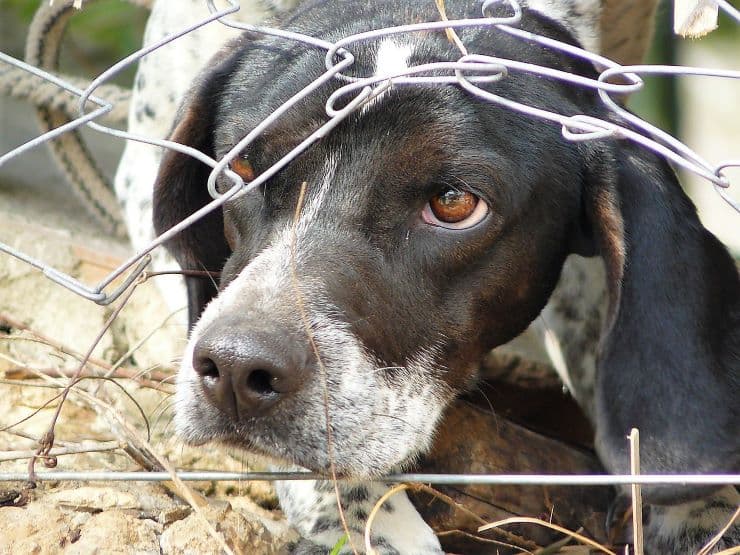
(432, 227)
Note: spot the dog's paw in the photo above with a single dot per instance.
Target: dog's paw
(397, 528)
(307, 547)
(689, 527)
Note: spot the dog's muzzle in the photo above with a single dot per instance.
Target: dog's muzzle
(265, 375)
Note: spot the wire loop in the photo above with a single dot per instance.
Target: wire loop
(477, 74)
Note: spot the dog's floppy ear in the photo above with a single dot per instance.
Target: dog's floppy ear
(618, 29)
(181, 187)
(669, 361)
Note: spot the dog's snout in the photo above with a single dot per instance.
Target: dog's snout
(245, 373)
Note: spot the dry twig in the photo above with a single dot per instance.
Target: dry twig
(514, 541)
(634, 438)
(90, 447)
(301, 306)
(715, 539)
(529, 520)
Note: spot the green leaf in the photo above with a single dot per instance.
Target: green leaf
(339, 545)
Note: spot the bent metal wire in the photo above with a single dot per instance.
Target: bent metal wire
(468, 72)
(439, 479)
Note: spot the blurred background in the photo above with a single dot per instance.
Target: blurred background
(702, 112)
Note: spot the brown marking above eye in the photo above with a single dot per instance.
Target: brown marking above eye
(243, 168)
(452, 206)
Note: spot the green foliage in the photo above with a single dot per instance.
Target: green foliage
(339, 545)
(728, 29)
(115, 26)
(101, 33)
(23, 9)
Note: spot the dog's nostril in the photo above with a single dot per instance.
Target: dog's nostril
(205, 367)
(261, 382)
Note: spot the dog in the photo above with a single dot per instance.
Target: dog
(433, 227)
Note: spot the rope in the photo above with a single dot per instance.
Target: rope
(18, 83)
(55, 107)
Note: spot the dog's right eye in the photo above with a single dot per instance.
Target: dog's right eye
(243, 168)
(454, 209)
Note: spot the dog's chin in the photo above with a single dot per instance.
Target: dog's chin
(360, 447)
(352, 466)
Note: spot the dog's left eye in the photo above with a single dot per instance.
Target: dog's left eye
(454, 209)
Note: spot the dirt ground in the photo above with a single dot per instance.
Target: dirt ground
(44, 332)
(116, 517)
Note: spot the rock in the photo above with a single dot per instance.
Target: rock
(63, 522)
(116, 532)
(93, 500)
(146, 500)
(243, 533)
(36, 528)
(473, 439)
(168, 516)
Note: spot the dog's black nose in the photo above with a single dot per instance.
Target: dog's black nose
(245, 372)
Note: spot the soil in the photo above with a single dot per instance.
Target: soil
(44, 330)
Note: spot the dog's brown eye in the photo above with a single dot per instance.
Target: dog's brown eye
(452, 206)
(242, 168)
(454, 209)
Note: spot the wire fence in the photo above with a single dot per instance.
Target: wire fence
(469, 72)
(426, 478)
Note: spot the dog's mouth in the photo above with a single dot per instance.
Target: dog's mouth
(368, 435)
(315, 456)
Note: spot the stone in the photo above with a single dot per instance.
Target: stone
(114, 532)
(243, 533)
